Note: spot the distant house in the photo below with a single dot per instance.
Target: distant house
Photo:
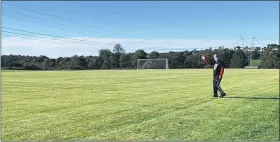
(251, 49)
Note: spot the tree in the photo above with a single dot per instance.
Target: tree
(93, 62)
(65, 63)
(236, 58)
(176, 60)
(271, 57)
(77, 63)
(42, 62)
(7, 61)
(255, 54)
(153, 55)
(51, 64)
(225, 56)
(60, 63)
(138, 54)
(32, 65)
(118, 49)
(239, 59)
(45, 63)
(115, 58)
(193, 61)
(104, 56)
(125, 61)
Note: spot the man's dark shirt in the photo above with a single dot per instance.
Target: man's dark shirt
(217, 71)
(218, 68)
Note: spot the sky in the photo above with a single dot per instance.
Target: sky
(86, 27)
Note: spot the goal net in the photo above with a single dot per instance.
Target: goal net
(152, 63)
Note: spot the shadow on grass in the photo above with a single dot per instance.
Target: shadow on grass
(252, 98)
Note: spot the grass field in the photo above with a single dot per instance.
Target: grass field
(139, 105)
(255, 62)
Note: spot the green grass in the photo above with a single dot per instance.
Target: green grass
(255, 62)
(139, 105)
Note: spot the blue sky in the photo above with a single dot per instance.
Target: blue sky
(161, 26)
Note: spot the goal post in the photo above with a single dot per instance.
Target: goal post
(161, 63)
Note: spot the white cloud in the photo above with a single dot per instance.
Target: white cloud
(56, 48)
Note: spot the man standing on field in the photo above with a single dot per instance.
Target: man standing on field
(218, 72)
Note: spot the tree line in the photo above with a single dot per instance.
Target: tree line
(237, 57)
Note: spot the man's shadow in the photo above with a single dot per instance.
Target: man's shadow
(253, 98)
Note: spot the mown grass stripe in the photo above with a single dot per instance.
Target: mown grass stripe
(139, 105)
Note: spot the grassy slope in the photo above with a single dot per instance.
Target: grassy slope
(138, 105)
(255, 62)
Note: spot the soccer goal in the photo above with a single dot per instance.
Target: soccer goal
(161, 63)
